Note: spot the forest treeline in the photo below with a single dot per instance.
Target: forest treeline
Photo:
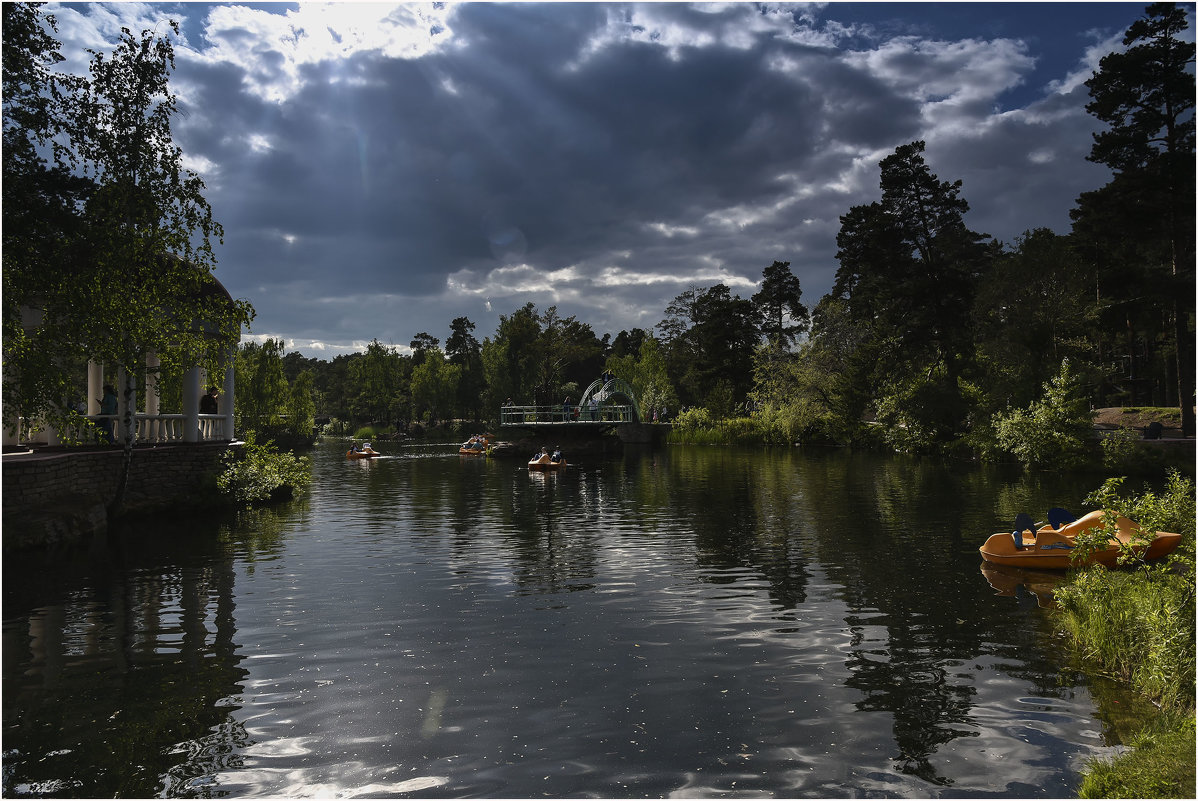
(938, 333)
(934, 337)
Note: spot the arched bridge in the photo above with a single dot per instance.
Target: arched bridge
(606, 403)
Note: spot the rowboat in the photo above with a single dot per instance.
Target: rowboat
(1051, 547)
(365, 453)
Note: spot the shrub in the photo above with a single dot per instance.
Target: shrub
(693, 419)
(1051, 431)
(335, 428)
(261, 473)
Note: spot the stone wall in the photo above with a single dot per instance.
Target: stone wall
(54, 497)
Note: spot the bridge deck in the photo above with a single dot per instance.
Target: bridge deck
(604, 416)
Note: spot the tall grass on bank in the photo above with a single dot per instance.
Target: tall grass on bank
(1138, 626)
(1160, 766)
(698, 427)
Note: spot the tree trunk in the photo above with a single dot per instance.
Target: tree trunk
(116, 506)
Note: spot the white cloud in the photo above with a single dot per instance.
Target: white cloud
(272, 49)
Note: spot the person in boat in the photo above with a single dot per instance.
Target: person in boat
(354, 447)
(557, 454)
(541, 454)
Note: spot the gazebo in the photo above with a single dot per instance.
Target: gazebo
(151, 426)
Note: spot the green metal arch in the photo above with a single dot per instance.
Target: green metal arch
(603, 391)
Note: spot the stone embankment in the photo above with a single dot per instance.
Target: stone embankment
(59, 496)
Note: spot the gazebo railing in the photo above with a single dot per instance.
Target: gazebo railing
(150, 429)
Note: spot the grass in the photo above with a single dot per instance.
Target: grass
(1138, 626)
(1161, 764)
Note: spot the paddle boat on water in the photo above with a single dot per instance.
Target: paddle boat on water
(478, 445)
(547, 461)
(362, 452)
(1051, 546)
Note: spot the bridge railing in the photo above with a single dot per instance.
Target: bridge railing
(565, 414)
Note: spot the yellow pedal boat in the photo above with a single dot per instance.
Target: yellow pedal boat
(1052, 548)
(545, 463)
(478, 445)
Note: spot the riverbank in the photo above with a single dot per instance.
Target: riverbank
(1138, 627)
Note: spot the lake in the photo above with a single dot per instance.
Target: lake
(686, 621)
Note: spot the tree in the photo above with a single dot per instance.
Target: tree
(379, 378)
(1033, 308)
(262, 391)
(510, 357)
(779, 304)
(709, 336)
(301, 409)
(40, 208)
(133, 274)
(645, 370)
(464, 351)
(569, 353)
(421, 344)
(1146, 97)
(434, 386)
(1051, 431)
(628, 343)
(908, 272)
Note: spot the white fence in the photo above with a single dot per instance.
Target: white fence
(150, 429)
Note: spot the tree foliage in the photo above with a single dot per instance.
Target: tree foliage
(1051, 431)
(1140, 226)
(131, 270)
(783, 317)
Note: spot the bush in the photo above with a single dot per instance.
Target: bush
(1051, 432)
(370, 432)
(698, 427)
(335, 428)
(261, 473)
(691, 420)
(1138, 625)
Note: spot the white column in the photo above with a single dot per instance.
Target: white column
(191, 405)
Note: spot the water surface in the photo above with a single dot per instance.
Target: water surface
(680, 622)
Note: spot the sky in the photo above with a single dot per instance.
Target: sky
(380, 169)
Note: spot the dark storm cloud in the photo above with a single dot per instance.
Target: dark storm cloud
(382, 170)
